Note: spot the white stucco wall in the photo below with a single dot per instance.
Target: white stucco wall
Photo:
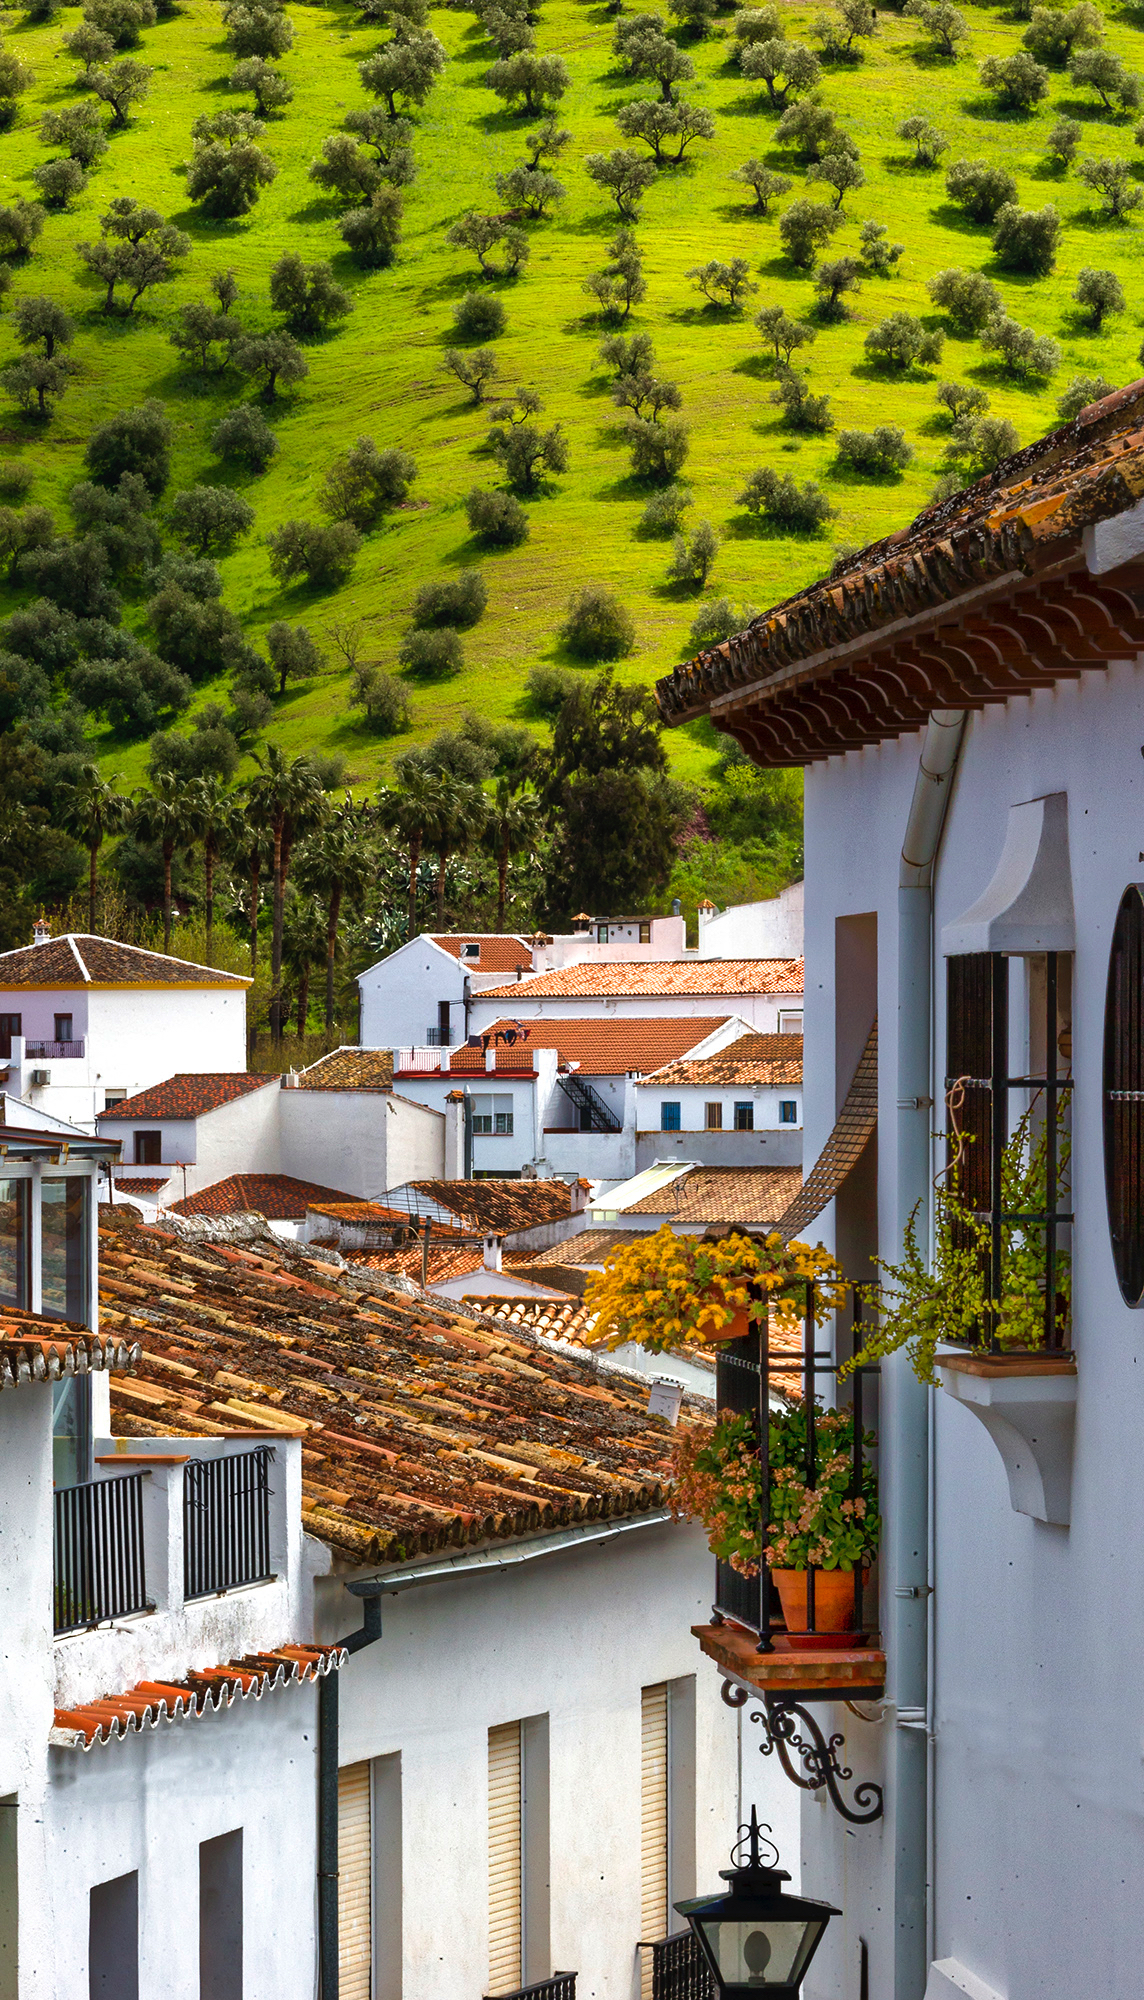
(134, 1036)
(759, 1011)
(361, 1142)
(573, 1636)
(694, 1099)
(400, 995)
(237, 1138)
(771, 929)
(1039, 1813)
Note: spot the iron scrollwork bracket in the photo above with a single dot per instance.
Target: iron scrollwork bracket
(789, 1727)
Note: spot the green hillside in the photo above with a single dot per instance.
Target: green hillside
(381, 372)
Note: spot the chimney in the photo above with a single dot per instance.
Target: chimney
(704, 914)
(455, 1136)
(41, 931)
(492, 1256)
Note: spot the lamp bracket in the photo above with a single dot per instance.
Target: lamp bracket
(789, 1727)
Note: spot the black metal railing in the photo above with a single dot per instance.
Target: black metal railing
(561, 1986)
(58, 1051)
(98, 1552)
(595, 1115)
(679, 1970)
(226, 1522)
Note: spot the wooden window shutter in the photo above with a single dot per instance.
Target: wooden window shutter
(1124, 1096)
(354, 1882)
(504, 1859)
(653, 1817)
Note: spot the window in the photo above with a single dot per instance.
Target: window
(601, 933)
(492, 1115)
(148, 1149)
(15, 1242)
(9, 1900)
(519, 1947)
(667, 1809)
(63, 1028)
(220, 1917)
(744, 1117)
(470, 951)
(65, 1247)
(113, 1940)
(369, 1880)
(111, 1097)
(788, 1111)
(9, 1026)
(1124, 1096)
(645, 933)
(713, 1117)
(791, 1023)
(669, 1118)
(443, 1024)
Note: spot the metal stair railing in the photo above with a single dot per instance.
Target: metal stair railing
(582, 1095)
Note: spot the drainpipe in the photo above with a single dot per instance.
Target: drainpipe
(468, 1159)
(907, 1412)
(328, 1793)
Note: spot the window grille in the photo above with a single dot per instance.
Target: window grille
(1124, 1095)
(98, 1552)
(226, 1522)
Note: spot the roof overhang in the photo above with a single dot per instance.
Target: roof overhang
(21, 1143)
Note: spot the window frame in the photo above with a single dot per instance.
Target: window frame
(744, 1114)
(670, 1114)
(788, 1111)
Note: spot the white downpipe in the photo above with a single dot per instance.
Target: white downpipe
(906, 1401)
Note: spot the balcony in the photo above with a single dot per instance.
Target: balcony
(53, 1051)
(156, 1531)
(678, 1969)
(561, 1986)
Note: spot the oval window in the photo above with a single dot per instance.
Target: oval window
(1124, 1095)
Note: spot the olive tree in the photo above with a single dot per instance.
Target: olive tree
(980, 188)
(529, 82)
(783, 502)
(969, 297)
(764, 183)
(1026, 239)
(1021, 350)
(884, 450)
(307, 295)
(1100, 293)
(1112, 181)
(945, 25)
(806, 227)
(625, 175)
(901, 342)
(373, 231)
(1097, 69)
(788, 69)
(1017, 81)
(928, 143)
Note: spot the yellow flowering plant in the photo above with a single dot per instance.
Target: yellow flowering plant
(666, 1290)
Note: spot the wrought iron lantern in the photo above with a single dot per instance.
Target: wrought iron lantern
(755, 1939)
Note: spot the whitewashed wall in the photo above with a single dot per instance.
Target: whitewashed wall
(399, 995)
(1038, 1801)
(760, 1011)
(134, 1036)
(359, 1141)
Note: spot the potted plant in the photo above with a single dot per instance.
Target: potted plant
(667, 1290)
(719, 1482)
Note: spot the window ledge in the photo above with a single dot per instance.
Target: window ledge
(1027, 1403)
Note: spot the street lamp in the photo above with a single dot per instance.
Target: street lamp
(754, 1939)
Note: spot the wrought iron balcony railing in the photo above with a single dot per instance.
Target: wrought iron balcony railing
(226, 1522)
(678, 1969)
(561, 1986)
(52, 1051)
(98, 1552)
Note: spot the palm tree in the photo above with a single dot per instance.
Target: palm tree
(335, 864)
(303, 946)
(462, 810)
(285, 799)
(218, 823)
(91, 809)
(410, 814)
(514, 823)
(166, 815)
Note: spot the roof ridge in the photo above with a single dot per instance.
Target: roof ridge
(78, 956)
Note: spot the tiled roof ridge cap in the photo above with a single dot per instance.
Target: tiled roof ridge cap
(203, 1691)
(43, 1357)
(78, 957)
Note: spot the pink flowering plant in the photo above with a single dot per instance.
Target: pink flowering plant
(719, 1482)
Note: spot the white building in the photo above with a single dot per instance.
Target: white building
(771, 929)
(85, 1021)
(690, 1198)
(557, 1095)
(968, 698)
(739, 1107)
(421, 993)
(765, 993)
(338, 1126)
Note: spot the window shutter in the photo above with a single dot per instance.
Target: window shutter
(1124, 1095)
(354, 1852)
(653, 1819)
(977, 990)
(504, 1858)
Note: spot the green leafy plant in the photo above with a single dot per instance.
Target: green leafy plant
(719, 1482)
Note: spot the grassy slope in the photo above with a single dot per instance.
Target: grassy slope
(382, 373)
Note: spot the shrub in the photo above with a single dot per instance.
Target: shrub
(884, 449)
(1082, 390)
(478, 316)
(664, 512)
(717, 621)
(59, 181)
(457, 601)
(498, 518)
(307, 295)
(901, 341)
(1062, 142)
(258, 31)
(945, 25)
(969, 297)
(135, 440)
(1100, 293)
(547, 689)
(1026, 239)
(1112, 181)
(801, 410)
(597, 626)
(980, 188)
(928, 143)
(324, 555)
(365, 483)
(78, 128)
(757, 24)
(806, 227)
(432, 654)
(121, 20)
(16, 479)
(1022, 351)
(382, 697)
(1096, 69)
(1017, 80)
(657, 450)
(20, 224)
(245, 435)
(765, 185)
(784, 502)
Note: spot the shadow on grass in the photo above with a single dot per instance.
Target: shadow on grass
(841, 473)
(760, 367)
(752, 528)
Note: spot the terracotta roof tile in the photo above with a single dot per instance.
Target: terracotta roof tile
(349, 1069)
(34, 1348)
(752, 1060)
(499, 952)
(142, 1183)
(847, 1142)
(426, 1429)
(497, 1206)
(188, 1095)
(279, 1197)
(755, 1196)
(590, 1246)
(446, 1260)
(76, 960)
(658, 978)
(149, 1703)
(612, 1047)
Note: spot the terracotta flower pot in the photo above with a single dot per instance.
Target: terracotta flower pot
(736, 1328)
(833, 1600)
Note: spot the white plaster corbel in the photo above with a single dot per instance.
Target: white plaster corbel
(1028, 1406)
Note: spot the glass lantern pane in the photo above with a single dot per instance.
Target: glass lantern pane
(767, 1953)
